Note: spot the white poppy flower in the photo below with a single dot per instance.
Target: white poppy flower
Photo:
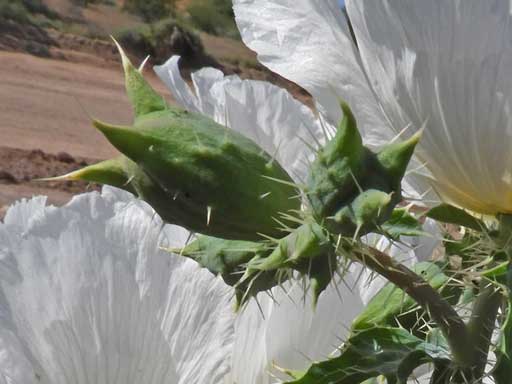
(439, 64)
(87, 297)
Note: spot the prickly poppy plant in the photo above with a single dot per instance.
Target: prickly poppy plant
(408, 101)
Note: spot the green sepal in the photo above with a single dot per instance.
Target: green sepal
(112, 172)
(390, 352)
(447, 213)
(142, 96)
(395, 158)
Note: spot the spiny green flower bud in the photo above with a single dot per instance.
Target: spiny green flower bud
(352, 190)
(194, 172)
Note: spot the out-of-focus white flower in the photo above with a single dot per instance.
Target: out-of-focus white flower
(87, 297)
(442, 64)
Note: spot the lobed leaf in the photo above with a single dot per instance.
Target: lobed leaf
(390, 352)
(391, 303)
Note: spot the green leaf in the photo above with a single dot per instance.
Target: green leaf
(391, 303)
(390, 352)
(402, 223)
(449, 214)
(496, 272)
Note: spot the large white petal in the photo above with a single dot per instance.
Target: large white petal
(446, 64)
(309, 43)
(284, 331)
(91, 298)
(261, 111)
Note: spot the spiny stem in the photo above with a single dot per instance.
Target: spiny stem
(482, 323)
(448, 320)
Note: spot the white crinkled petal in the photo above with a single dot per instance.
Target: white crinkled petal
(95, 300)
(169, 73)
(448, 65)
(284, 331)
(309, 43)
(267, 114)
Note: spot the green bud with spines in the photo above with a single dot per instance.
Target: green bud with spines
(194, 172)
(352, 190)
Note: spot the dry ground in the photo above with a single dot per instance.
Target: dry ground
(45, 112)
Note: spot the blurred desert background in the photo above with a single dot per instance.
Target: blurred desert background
(59, 67)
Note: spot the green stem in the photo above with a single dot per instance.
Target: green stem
(482, 324)
(503, 369)
(448, 320)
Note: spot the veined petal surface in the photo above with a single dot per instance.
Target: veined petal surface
(309, 43)
(283, 331)
(87, 296)
(265, 113)
(446, 65)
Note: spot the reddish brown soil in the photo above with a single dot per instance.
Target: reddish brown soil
(20, 169)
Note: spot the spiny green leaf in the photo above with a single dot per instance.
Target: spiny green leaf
(307, 250)
(228, 259)
(447, 213)
(391, 303)
(391, 352)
